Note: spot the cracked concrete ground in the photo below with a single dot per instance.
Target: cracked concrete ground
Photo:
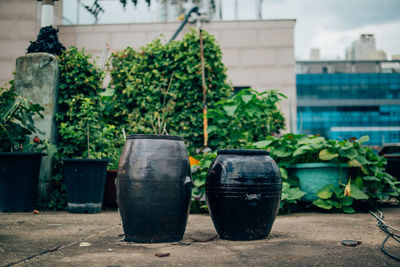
(299, 239)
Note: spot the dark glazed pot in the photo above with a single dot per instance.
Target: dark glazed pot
(243, 191)
(84, 180)
(154, 188)
(19, 173)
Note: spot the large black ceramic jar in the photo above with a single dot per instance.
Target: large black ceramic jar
(243, 190)
(154, 188)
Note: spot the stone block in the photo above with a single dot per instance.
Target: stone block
(92, 40)
(230, 57)
(243, 76)
(278, 38)
(276, 76)
(258, 57)
(120, 41)
(238, 38)
(286, 57)
(36, 78)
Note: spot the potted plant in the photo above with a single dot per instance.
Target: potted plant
(84, 175)
(335, 186)
(20, 152)
(81, 135)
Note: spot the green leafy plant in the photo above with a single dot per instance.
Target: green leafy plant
(82, 131)
(17, 126)
(140, 78)
(368, 180)
(244, 118)
(199, 174)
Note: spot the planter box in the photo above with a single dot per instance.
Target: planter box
(19, 173)
(85, 179)
(314, 176)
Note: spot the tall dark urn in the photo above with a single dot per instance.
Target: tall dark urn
(154, 188)
(243, 190)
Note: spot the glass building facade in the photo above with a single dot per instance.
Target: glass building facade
(345, 105)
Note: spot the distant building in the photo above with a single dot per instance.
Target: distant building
(396, 57)
(364, 49)
(314, 54)
(342, 99)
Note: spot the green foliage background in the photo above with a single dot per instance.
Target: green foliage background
(140, 79)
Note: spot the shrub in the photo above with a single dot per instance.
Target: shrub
(140, 80)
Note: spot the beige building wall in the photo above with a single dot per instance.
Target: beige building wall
(19, 24)
(259, 54)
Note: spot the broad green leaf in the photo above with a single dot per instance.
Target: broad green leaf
(304, 140)
(262, 144)
(393, 194)
(230, 110)
(338, 191)
(199, 182)
(346, 201)
(349, 153)
(359, 182)
(357, 193)
(326, 155)
(325, 192)
(246, 98)
(282, 152)
(211, 128)
(347, 145)
(371, 178)
(284, 173)
(362, 160)
(301, 150)
(285, 186)
(317, 140)
(363, 139)
(284, 196)
(295, 193)
(354, 163)
(348, 209)
(334, 203)
(322, 204)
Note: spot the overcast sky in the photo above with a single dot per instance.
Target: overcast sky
(330, 25)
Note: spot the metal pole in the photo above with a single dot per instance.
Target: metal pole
(203, 78)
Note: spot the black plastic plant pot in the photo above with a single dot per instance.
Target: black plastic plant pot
(19, 173)
(154, 188)
(243, 191)
(85, 179)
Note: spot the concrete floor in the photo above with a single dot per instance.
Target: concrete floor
(299, 239)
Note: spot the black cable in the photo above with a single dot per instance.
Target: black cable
(388, 230)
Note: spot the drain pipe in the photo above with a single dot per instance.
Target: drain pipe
(47, 13)
(185, 21)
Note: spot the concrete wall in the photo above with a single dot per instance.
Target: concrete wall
(259, 54)
(19, 24)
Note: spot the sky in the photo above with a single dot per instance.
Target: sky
(330, 25)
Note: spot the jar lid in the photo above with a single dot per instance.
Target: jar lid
(154, 136)
(243, 151)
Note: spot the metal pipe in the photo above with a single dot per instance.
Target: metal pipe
(193, 10)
